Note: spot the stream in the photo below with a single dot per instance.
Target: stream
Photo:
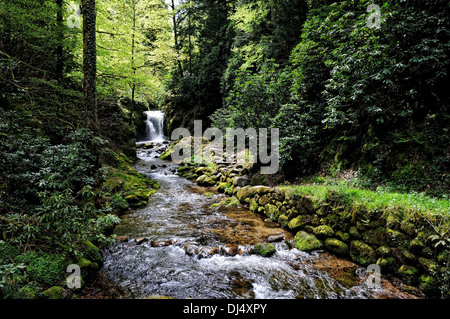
(179, 246)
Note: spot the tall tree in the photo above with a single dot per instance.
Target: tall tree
(90, 64)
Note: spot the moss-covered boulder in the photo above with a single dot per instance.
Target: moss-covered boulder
(408, 274)
(298, 222)
(323, 231)
(205, 180)
(336, 246)
(307, 242)
(264, 249)
(251, 191)
(362, 253)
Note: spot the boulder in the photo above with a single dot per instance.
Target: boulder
(307, 242)
(323, 231)
(264, 249)
(251, 191)
(362, 253)
(336, 246)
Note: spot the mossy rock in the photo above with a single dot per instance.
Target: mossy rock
(354, 232)
(251, 191)
(271, 211)
(395, 238)
(408, 227)
(184, 169)
(298, 222)
(408, 274)
(204, 171)
(264, 249)
(307, 242)
(189, 176)
(362, 253)
(221, 187)
(387, 264)
(427, 264)
(86, 264)
(264, 200)
(253, 205)
(205, 180)
(375, 236)
(323, 231)
(54, 292)
(283, 220)
(383, 251)
(416, 245)
(345, 237)
(403, 255)
(92, 253)
(336, 246)
(139, 204)
(429, 284)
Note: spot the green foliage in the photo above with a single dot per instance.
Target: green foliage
(46, 269)
(352, 97)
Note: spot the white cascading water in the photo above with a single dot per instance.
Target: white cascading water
(155, 126)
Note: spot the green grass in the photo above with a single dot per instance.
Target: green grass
(374, 200)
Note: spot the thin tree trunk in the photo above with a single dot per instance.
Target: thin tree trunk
(175, 33)
(59, 68)
(90, 65)
(133, 86)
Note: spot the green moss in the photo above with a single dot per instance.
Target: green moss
(92, 253)
(429, 284)
(264, 250)
(336, 246)
(323, 231)
(307, 242)
(386, 264)
(54, 292)
(375, 236)
(46, 269)
(345, 237)
(408, 274)
(428, 264)
(362, 253)
(298, 222)
(253, 205)
(222, 186)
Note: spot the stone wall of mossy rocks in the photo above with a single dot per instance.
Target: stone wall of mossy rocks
(399, 246)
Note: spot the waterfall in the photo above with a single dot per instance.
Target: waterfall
(155, 126)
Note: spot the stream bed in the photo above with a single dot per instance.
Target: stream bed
(181, 247)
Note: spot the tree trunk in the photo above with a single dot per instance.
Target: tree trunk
(59, 67)
(175, 34)
(133, 67)
(90, 65)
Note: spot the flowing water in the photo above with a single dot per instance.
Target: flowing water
(195, 251)
(154, 126)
